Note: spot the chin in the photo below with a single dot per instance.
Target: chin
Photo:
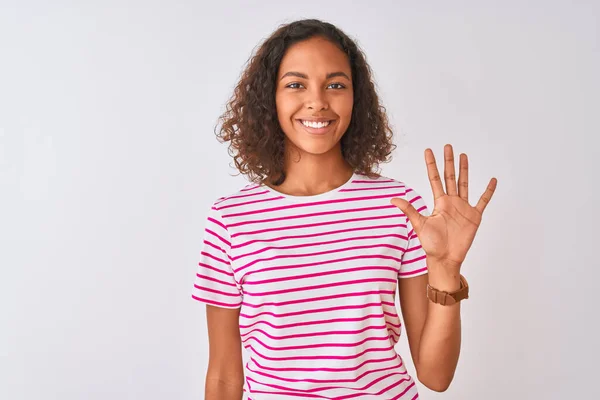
(314, 150)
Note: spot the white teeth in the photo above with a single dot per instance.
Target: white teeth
(315, 124)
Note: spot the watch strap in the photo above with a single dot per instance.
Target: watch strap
(449, 298)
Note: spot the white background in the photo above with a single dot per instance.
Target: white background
(108, 165)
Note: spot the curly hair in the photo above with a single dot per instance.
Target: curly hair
(250, 121)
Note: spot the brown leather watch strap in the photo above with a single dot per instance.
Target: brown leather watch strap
(449, 298)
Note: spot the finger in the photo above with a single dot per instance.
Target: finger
(411, 213)
(463, 177)
(487, 195)
(449, 173)
(434, 176)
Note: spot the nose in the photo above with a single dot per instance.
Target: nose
(316, 99)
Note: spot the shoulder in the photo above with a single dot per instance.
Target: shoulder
(386, 188)
(373, 191)
(245, 193)
(403, 190)
(380, 182)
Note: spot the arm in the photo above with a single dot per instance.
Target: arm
(433, 330)
(225, 375)
(445, 236)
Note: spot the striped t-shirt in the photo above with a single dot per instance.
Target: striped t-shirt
(315, 278)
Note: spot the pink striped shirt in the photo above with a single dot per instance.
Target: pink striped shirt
(315, 278)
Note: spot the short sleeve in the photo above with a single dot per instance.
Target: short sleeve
(214, 283)
(414, 261)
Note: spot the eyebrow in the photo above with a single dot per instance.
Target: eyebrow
(304, 76)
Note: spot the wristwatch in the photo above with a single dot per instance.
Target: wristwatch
(449, 298)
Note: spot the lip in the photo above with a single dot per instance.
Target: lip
(316, 119)
(317, 131)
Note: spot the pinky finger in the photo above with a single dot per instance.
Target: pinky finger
(487, 195)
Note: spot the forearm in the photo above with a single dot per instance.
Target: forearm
(216, 389)
(440, 342)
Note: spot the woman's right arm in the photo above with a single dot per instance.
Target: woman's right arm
(225, 375)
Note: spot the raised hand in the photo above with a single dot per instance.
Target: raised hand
(447, 234)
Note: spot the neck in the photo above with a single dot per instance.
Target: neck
(311, 174)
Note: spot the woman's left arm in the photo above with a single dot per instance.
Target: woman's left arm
(433, 330)
(446, 236)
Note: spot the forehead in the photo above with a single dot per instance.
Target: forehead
(315, 56)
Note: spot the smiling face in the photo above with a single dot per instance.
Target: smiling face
(314, 96)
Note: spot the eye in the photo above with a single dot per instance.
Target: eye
(292, 84)
(296, 85)
(341, 86)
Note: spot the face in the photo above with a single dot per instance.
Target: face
(314, 96)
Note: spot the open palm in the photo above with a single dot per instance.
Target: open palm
(448, 233)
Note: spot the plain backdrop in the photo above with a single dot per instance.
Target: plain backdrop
(108, 165)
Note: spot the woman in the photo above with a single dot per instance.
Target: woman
(301, 266)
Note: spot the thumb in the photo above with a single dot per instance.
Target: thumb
(411, 213)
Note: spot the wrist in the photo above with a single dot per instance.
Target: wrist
(443, 278)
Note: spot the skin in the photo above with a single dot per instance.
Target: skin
(314, 165)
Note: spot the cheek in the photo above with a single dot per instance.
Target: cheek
(286, 108)
(343, 105)
(345, 112)
(349, 105)
(286, 105)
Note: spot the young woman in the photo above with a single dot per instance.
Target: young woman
(301, 267)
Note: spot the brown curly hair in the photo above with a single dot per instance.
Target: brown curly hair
(250, 121)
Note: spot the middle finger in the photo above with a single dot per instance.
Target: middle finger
(449, 174)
